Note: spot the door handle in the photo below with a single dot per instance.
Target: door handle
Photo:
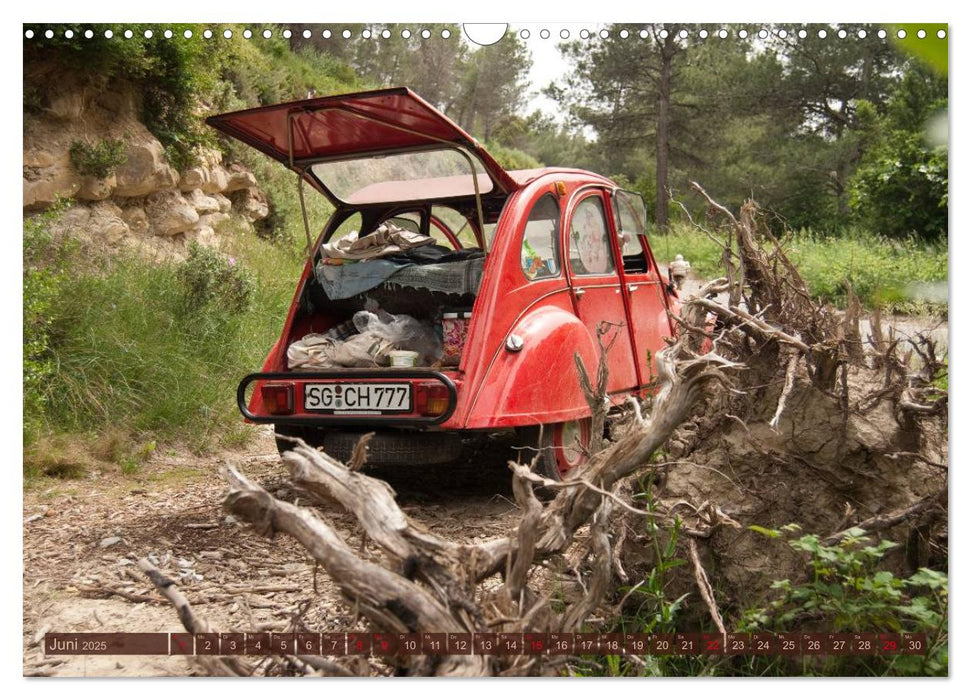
(579, 292)
(632, 288)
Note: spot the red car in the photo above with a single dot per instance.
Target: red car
(511, 274)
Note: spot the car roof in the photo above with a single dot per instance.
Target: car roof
(438, 188)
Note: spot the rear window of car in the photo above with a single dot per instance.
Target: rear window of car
(540, 255)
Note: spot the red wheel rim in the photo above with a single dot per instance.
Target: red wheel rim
(570, 441)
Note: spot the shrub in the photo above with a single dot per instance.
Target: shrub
(848, 592)
(99, 160)
(44, 280)
(211, 278)
(902, 190)
(512, 158)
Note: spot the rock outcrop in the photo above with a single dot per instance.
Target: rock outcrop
(143, 200)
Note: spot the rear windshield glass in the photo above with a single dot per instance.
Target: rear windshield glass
(403, 177)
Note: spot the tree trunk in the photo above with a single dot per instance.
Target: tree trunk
(668, 50)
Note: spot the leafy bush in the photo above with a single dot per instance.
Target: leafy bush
(99, 160)
(512, 158)
(209, 278)
(847, 592)
(902, 190)
(44, 280)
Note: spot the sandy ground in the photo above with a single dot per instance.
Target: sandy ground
(79, 578)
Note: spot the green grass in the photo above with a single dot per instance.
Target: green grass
(891, 274)
(128, 355)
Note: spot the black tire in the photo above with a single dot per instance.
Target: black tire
(387, 448)
(282, 432)
(562, 447)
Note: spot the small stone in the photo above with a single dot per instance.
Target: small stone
(193, 178)
(136, 219)
(252, 203)
(169, 213)
(108, 541)
(38, 159)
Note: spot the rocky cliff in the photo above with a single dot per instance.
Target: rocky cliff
(143, 201)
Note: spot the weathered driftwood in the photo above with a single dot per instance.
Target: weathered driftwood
(390, 600)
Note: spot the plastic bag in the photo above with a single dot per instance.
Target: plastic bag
(404, 332)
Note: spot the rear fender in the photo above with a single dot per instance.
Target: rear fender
(540, 383)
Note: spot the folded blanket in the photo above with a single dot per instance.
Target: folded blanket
(463, 277)
(343, 281)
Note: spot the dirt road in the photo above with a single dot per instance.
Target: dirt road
(82, 540)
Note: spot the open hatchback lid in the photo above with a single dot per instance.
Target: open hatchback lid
(367, 147)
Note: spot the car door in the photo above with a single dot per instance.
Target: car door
(596, 284)
(644, 286)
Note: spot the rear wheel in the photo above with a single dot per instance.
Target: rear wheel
(562, 447)
(386, 448)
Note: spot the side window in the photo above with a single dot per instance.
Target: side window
(540, 256)
(589, 242)
(409, 221)
(459, 225)
(631, 217)
(351, 223)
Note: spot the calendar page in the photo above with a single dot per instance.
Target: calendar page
(527, 349)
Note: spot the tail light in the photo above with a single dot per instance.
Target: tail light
(431, 399)
(277, 398)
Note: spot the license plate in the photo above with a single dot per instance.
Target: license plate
(364, 398)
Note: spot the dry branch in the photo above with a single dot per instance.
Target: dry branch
(214, 665)
(704, 586)
(392, 602)
(885, 520)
